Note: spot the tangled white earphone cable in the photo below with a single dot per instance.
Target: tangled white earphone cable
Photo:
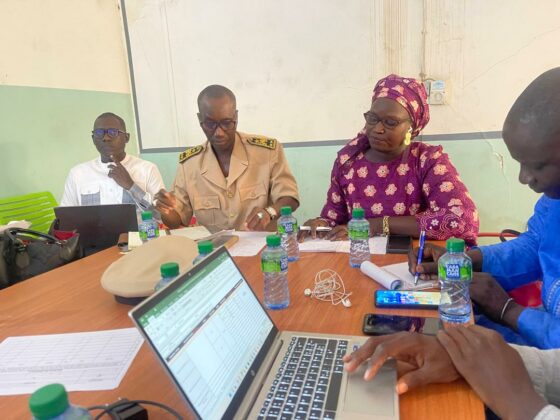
(329, 287)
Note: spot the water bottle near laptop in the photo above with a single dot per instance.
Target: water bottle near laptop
(205, 248)
(51, 403)
(288, 229)
(358, 232)
(274, 264)
(148, 228)
(455, 274)
(169, 272)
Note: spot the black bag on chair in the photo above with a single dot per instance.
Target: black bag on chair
(26, 253)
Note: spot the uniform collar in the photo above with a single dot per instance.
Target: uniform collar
(210, 167)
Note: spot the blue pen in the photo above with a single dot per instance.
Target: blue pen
(420, 253)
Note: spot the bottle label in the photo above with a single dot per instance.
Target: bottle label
(275, 266)
(287, 227)
(455, 272)
(355, 234)
(152, 232)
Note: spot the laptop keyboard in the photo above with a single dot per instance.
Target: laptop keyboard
(308, 381)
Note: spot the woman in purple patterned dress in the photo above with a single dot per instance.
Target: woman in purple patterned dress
(404, 186)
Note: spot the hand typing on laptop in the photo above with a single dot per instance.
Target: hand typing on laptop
(424, 358)
(494, 369)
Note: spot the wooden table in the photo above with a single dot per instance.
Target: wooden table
(70, 299)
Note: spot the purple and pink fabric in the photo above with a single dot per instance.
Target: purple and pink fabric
(421, 182)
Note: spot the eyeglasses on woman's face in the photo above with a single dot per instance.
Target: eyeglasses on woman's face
(389, 123)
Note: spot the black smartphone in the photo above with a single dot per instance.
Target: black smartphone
(389, 324)
(407, 299)
(398, 244)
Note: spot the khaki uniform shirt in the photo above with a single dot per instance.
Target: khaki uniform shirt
(258, 176)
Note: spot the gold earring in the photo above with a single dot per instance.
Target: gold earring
(407, 138)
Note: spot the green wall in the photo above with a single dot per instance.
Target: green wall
(44, 132)
(502, 201)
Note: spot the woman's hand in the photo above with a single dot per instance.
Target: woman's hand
(313, 225)
(338, 233)
(494, 370)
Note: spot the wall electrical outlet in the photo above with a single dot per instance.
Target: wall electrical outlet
(436, 92)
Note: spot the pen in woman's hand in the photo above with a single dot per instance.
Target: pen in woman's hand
(420, 253)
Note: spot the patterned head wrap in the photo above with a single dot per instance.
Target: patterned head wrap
(409, 93)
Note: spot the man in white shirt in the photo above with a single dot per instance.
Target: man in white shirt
(114, 177)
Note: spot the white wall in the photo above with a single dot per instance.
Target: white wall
(69, 44)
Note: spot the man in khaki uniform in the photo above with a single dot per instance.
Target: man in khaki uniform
(234, 180)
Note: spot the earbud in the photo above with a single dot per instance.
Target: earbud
(307, 292)
(346, 302)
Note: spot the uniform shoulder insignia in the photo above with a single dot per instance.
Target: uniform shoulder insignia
(190, 152)
(262, 141)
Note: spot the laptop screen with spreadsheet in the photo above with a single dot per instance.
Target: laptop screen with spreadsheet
(211, 333)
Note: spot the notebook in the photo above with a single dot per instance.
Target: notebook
(229, 360)
(99, 226)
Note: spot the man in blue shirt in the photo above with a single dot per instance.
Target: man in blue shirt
(532, 135)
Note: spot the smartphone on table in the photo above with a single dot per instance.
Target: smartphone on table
(388, 324)
(407, 299)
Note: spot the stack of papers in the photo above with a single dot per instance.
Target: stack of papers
(377, 245)
(87, 361)
(249, 244)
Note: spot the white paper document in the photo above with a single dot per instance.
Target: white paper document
(88, 361)
(400, 271)
(249, 244)
(194, 232)
(377, 245)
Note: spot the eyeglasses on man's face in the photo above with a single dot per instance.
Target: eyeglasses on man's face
(211, 125)
(388, 123)
(99, 133)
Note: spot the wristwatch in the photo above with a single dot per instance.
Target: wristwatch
(271, 212)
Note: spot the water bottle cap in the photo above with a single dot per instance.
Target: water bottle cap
(455, 245)
(170, 269)
(205, 247)
(286, 211)
(358, 213)
(146, 215)
(273, 240)
(48, 401)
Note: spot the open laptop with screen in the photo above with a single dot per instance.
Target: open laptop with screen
(99, 226)
(229, 360)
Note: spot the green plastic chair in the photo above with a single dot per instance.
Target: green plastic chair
(36, 208)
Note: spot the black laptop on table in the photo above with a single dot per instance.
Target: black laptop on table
(229, 361)
(99, 226)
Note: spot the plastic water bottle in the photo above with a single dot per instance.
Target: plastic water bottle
(205, 248)
(51, 403)
(148, 228)
(169, 272)
(274, 264)
(358, 232)
(288, 229)
(455, 274)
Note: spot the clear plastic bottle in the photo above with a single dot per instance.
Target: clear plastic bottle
(148, 228)
(358, 232)
(274, 264)
(288, 230)
(455, 274)
(51, 403)
(169, 272)
(205, 248)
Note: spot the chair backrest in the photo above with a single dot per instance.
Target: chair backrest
(36, 208)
